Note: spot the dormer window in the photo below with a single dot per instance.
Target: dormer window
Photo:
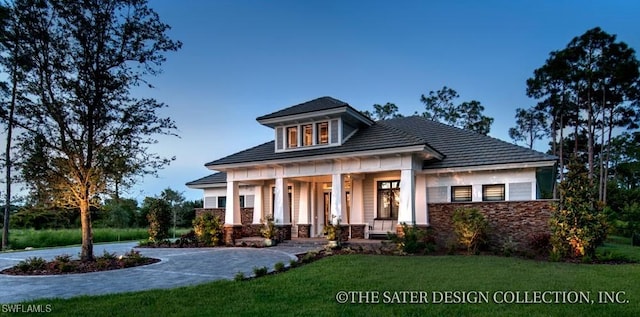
(322, 129)
(292, 137)
(307, 135)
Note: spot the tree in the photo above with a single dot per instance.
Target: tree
(439, 106)
(14, 62)
(530, 126)
(88, 55)
(158, 213)
(596, 81)
(388, 111)
(577, 223)
(174, 199)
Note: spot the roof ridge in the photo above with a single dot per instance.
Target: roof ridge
(245, 150)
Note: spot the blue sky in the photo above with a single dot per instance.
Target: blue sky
(242, 59)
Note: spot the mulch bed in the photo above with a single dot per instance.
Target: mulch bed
(77, 266)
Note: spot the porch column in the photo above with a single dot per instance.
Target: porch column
(281, 202)
(338, 199)
(281, 214)
(257, 205)
(232, 210)
(407, 208)
(421, 200)
(304, 225)
(357, 207)
(232, 221)
(357, 200)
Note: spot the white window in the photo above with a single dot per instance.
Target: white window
(292, 137)
(493, 192)
(461, 193)
(322, 129)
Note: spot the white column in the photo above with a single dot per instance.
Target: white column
(232, 211)
(357, 200)
(281, 202)
(338, 199)
(421, 200)
(257, 204)
(303, 212)
(407, 210)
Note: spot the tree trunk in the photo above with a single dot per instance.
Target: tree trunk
(7, 156)
(86, 253)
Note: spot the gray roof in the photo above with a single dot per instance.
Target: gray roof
(458, 147)
(463, 148)
(215, 178)
(319, 104)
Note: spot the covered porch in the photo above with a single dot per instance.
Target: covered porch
(304, 198)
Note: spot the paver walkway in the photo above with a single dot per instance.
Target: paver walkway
(178, 267)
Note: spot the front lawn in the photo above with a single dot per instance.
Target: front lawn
(311, 290)
(23, 238)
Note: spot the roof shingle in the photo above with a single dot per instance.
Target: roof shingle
(319, 104)
(459, 147)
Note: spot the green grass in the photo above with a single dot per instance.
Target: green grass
(620, 247)
(22, 238)
(310, 290)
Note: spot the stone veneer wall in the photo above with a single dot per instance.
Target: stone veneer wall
(519, 220)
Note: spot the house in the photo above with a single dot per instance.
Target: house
(328, 162)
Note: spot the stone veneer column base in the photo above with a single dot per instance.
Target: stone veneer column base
(304, 231)
(284, 232)
(357, 231)
(231, 233)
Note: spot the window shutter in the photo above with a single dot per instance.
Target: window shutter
(210, 202)
(334, 132)
(520, 191)
(249, 201)
(437, 194)
(279, 143)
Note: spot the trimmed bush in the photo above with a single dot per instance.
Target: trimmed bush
(159, 216)
(239, 277)
(208, 229)
(260, 271)
(635, 239)
(279, 267)
(414, 240)
(471, 228)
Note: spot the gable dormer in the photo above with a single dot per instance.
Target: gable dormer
(321, 122)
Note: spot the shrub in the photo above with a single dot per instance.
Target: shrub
(309, 257)
(279, 267)
(188, 239)
(414, 240)
(133, 258)
(208, 229)
(260, 271)
(509, 247)
(635, 239)
(32, 264)
(471, 228)
(239, 277)
(540, 243)
(268, 229)
(293, 263)
(159, 216)
(63, 263)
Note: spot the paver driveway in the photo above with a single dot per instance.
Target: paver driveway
(178, 267)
